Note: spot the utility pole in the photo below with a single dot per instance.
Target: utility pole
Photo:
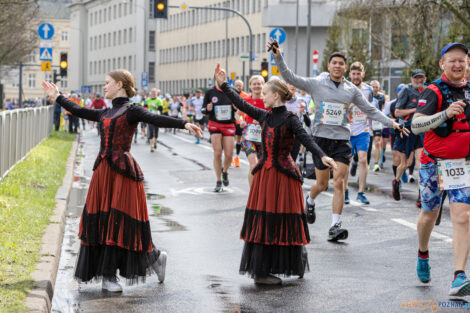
(20, 100)
(296, 36)
(309, 22)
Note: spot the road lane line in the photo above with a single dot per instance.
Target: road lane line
(413, 226)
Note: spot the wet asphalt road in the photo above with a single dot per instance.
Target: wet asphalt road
(373, 271)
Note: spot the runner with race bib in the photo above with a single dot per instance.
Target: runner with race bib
(332, 95)
(221, 113)
(443, 114)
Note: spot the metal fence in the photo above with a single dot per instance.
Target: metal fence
(20, 131)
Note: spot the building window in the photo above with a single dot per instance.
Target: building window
(32, 80)
(130, 63)
(48, 77)
(114, 11)
(109, 65)
(65, 36)
(130, 34)
(131, 4)
(104, 40)
(114, 39)
(124, 62)
(120, 9)
(124, 37)
(125, 8)
(104, 15)
(152, 72)
(119, 37)
(109, 13)
(119, 62)
(91, 68)
(32, 57)
(109, 39)
(114, 63)
(90, 17)
(100, 17)
(152, 40)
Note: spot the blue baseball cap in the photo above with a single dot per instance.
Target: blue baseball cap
(454, 45)
(400, 87)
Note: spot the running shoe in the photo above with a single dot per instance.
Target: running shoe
(218, 186)
(353, 169)
(411, 179)
(337, 233)
(423, 270)
(225, 178)
(376, 168)
(346, 196)
(198, 141)
(161, 266)
(301, 157)
(155, 145)
(310, 211)
(381, 165)
(460, 286)
(237, 161)
(396, 190)
(152, 149)
(111, 284)
(404, 177)
(362, 198)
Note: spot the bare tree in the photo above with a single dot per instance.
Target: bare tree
(17, 38)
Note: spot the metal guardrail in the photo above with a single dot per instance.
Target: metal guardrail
(20, 131)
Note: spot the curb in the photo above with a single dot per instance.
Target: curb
(39, 298)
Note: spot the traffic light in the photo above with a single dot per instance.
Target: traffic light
(265, 69)
(63, 64)
(160, 9)
(55, 77)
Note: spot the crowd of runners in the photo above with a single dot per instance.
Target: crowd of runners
(345, 125)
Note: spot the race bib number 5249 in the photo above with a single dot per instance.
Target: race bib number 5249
(333, 113)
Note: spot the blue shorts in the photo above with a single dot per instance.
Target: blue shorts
(431, 195)
(360, 142)
(408, 144)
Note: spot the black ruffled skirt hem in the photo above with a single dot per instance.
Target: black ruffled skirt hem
(96, 262)
(260, 260)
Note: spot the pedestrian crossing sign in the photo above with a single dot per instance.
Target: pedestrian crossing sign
(45, 54)
(46, 65)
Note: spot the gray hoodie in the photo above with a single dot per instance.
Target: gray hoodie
(332, 103)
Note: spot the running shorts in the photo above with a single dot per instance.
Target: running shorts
(338, 150)
(219, 128)
(431, 195)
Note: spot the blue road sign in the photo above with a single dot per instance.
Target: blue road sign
(144, 80)
(45, 54)
(46, 31)
(278, 34)
(272, 58)
(86, 89)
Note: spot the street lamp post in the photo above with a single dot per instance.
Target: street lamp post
(235, 12)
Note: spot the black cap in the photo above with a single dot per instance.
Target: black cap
(454, 45)
(417, 72)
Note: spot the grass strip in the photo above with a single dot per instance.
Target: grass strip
(27, 200)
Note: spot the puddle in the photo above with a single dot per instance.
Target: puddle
(225, 292)
(161, 212)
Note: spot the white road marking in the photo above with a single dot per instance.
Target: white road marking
(413, 226)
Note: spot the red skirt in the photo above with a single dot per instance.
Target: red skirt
(114, 229)
(275, 228)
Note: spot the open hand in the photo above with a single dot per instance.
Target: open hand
(327, 161)
(51, 90)
(194, 129)
(220, 75)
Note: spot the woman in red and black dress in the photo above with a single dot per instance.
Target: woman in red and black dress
(114, 227)
(275, 228)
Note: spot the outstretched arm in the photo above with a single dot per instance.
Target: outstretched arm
(254, 112)
(86, 113)
(137, 113)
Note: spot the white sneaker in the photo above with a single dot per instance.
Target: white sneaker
(161, 266)
(111, 284)
(411, 179)
(268, 280)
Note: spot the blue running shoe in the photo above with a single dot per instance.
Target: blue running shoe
(197, 140)
(346, 196)
(423, 270)
(404, 177)
(362, 198)
(460, 286)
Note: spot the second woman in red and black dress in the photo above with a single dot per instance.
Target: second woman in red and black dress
(114, 227)
(275, 228)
